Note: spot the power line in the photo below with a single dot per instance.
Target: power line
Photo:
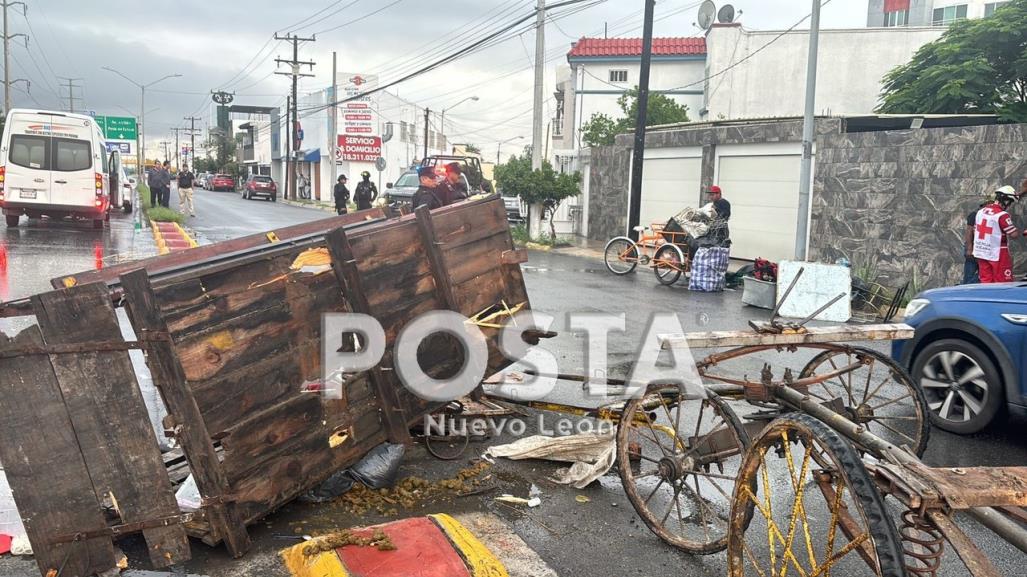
(305, 22)
(355, 20)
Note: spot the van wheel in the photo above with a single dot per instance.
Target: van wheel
(98, 223)
(12, 220)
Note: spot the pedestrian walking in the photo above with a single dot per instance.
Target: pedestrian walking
(366, 192)
(993, 227)
(165, 184)
(153, 182)
(341, 195)
(185, 190)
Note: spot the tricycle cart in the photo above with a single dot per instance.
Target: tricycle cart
(666, 252)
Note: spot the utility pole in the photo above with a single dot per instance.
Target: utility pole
(70, 85)
(333, 123)
(535, 211)
(7, 52)
(167, 157)
(178, 149)
(293, 142)
(192, 140)
(426, 129)
(638, 154)
(806, 166)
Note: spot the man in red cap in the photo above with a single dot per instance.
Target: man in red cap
(716, 197)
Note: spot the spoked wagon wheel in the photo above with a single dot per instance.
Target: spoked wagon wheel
(678, 461)
(621, 255)
(668, 264)
(879, 395)
(817, 512)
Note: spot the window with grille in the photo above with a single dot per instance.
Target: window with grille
(990, 8)
(897, 18)
(618, 76)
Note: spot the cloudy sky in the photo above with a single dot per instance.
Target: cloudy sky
(227, 44)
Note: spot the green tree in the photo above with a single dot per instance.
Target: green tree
(544, 187)
(978, 66)
(600, 130)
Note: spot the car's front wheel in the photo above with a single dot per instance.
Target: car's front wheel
(961, 384)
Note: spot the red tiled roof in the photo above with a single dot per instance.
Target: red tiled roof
(598, 47)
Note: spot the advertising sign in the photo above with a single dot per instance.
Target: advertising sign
(359, 148)
(358, 116)
(122, 147)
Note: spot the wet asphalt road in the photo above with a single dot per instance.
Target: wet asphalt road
(603, 537)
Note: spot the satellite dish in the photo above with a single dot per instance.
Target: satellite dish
(707, 12)
(726, 14)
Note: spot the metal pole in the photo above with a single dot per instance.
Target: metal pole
(140, 157)
(540, 62)
(7, 64)
(333, 137)
(638, 156)
(806, 169)
(295, 120)
(426, 128)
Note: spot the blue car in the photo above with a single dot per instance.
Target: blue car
(969, 353)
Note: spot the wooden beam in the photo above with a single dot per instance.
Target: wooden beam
(44, 466)
(183, 258)
(813, 335)
(345, 268)
(109, 417)
(443, 283)
(169, 377)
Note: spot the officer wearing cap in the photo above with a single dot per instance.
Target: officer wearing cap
(426, 191)
(454, 188)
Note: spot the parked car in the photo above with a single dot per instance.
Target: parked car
(402, 191)
(513, 208)
(260, 186)
(205, 181)
(54, 164)
(221, 182)
(968, 355)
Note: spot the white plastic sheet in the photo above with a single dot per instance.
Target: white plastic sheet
(591, 455)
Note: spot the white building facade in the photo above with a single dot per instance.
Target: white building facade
(889, 13)
(749, 78)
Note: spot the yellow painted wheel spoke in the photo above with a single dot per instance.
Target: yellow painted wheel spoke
(848, 548)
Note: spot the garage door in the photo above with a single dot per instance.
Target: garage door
(764, 196)
(669, 185)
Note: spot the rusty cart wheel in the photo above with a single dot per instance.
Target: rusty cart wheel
(678, 461)
(668, 264)
(817, 511)
(880, 395)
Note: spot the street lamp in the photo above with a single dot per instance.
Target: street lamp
(141, 129)
(499, 147)
(474, 98)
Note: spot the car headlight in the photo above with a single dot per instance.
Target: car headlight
(915, 306)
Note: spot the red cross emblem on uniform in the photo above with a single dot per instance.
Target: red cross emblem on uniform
(983, 230)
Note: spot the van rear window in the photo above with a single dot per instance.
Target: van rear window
(30, 151)
(71, 155)
(43, 153)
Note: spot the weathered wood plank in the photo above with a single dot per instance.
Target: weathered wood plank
(269, 434)
(829, 334)
(191, 432)
(237, 342)
(44, 467)
(345, 268)
(155, 265)
(227, 399)
(109, 416)
(471, 260)
(439, 270)
(468, 223)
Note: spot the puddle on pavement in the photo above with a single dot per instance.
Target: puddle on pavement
(546, 270)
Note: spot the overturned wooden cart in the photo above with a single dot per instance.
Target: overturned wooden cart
(232, 337)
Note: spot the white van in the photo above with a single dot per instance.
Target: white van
(55, 164)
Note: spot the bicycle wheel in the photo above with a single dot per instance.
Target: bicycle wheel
(879, 395)
(817, 510)
(678, 460)
(621, 255)
(668, 264)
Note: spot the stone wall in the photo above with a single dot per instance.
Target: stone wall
(898, 200)
(610, 170)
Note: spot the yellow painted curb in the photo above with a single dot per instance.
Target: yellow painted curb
(480, 561)
(162, 248)
(187, 236)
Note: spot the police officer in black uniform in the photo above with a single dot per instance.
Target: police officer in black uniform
(341, 195)
(365, 193)
(427, 192)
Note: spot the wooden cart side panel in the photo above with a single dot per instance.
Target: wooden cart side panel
(66, 502)
(191, 431)
(109, 416)
(163, 263)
